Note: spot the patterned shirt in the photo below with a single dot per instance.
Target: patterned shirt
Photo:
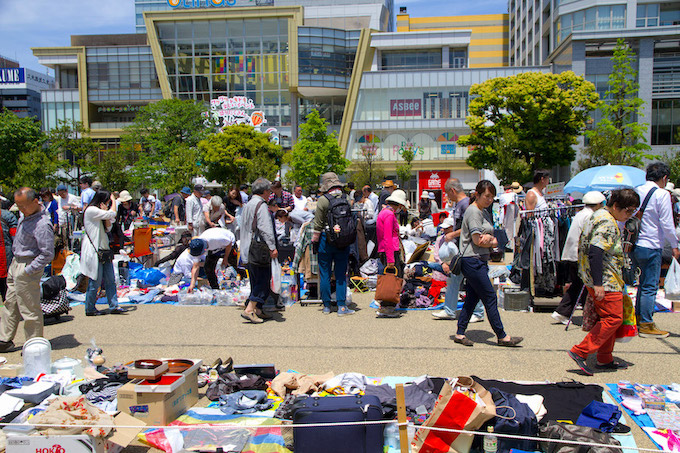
(285, 200)
(304, 241)
(602, 231)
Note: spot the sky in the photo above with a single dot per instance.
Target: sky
(50, 23)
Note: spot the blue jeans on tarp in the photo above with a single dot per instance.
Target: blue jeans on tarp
(330, 255)
(104, 273)
(260, 283)
(478, 287)
(649, 262)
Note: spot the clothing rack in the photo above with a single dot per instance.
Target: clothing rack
(527, 211)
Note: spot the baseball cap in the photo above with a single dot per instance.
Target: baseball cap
(448, 222)
(61, 187)
(196, 247)
(198, 187)
(186, 190)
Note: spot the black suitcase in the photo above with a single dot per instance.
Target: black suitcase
(338, 439)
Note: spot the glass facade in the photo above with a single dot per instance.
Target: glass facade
(234, 57)
(665, 122)
(120, 73)
(411, 59)
(458, 58)
(595, 18)
(326, 56)
(59, 105)
(666, 75)
(432, 103)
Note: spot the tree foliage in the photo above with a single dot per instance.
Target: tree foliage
(113, 170)
(315, 153)
(408, 154)
(70, 142)
(239, 154)
(18, 136)
(37, 168)
(160, 139)
(368, 172)
(618, 138)
(546, 112)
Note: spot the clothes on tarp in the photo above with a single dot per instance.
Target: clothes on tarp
(513, 417)
(231, 382)
(298, 384)
(104, 389)
(564, 401)
(245, 402)
(420, 397)
(77, 415)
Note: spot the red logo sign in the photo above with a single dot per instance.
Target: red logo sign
(406, 107)
(55, 449)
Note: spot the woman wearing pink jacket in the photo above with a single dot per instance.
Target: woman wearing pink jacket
(389, 254)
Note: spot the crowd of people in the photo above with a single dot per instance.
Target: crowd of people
(260, 219)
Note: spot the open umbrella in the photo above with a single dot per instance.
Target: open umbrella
(606, 177)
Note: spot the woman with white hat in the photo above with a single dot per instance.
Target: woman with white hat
(424, 206)
(389, 253)
(127, 210)
(593, 200)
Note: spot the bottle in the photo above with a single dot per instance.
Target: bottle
(490, 441)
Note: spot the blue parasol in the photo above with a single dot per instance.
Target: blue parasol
(607, 177)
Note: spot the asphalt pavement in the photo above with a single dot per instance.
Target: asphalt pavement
(305, 340)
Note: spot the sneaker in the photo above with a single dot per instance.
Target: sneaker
(581, 362)
(559, 318)
(343, 311)
(442, 314)
(6, 346)
(326, 310)
(649, 330)
(475, 318)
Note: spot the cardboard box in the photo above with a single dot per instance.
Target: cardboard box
(676, 306)
(163, 403)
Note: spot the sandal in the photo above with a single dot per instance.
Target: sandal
(613, 365)
(465, 341)
(511, 343)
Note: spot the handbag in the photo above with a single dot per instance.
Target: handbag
(103, 256)
(258, 254)
(576, 433)
(389, 286)
(456, 265)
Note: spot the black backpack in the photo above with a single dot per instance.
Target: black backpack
(168, 210)
(342, 223)
(631, 230)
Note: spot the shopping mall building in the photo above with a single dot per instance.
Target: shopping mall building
(384, 81)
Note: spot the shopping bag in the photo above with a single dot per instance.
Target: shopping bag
(628, 328)
(276, 277)
(389, 286)
(454, 410)
(672, 282)
(590, 316)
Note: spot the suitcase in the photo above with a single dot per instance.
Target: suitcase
(338, 439)
(56, 306)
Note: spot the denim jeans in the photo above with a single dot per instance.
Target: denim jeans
(478, 287)
(105, 273)
(260, 281)
(649, 262)
(329, 255)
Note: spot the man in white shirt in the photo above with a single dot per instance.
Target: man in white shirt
(656, 228)
(67, 203)
(300, 213)
(209, 247)
(299, 199)
(194, 210)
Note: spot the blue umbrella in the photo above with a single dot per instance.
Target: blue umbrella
(607, 177)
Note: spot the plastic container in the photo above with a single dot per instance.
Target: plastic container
(37, 354)
(490, 441)
(391, 434)
(69, 367)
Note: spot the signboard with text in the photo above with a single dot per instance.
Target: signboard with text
(12, 75)
(433, 181)
(554, 190)
(406, 107)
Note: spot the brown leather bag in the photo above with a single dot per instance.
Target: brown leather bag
(389, 286)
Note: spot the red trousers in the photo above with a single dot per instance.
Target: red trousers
(601, 338)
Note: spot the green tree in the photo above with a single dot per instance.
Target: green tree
(37, 168)
(239, 154)
(367, 171)
(404, 170)
(315, 153)
(71, 144)
(18, 136)
(161, 132)
(546, 112)
(113, 170)
(618, 137)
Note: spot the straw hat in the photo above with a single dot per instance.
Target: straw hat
(329, 181)
(399, 197)
(516, 187)
(593, 197)
(124, 196)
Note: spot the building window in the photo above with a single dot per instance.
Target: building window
(670, 14)
(647, 16)
(458, 58)
(598, 17)
(412, 59)
(665, 121)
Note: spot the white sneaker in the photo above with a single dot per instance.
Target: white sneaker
(442, 314)
(559, 318)
(475, 318)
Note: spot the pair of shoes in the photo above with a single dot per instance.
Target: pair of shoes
(581, 362)
(387, 314)
(511, 343)
(344, 311)
(252, 317)
(326, 310)
(6, 346)
(442, 314)
(465, 341)
(226, 367)
(475, 318)
(649, 330)
(262, 315)
(613, 365)
(118, 311)
(95, 313)
(559, 318)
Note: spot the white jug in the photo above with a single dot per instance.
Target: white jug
(37, 353)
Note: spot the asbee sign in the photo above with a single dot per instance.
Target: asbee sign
(12, 75)
(200, 3)
(405, 107)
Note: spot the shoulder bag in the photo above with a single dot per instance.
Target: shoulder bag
(258, 254)
(104, 256)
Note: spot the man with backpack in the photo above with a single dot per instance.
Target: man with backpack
(174, 207)
(656, 227)
(334, 230)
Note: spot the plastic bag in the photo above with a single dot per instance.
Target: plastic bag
(151, 276)
(276, 277)
(672, 282)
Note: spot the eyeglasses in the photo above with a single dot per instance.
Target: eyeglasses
(630, 211)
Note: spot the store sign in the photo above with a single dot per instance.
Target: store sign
(432, 180)
(449, 148)
(119, 108)
(200, 3)
(555, 189)
(226, 111)
(12, 75)
(406, 107)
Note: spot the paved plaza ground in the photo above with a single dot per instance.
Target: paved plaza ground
(303, 339)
